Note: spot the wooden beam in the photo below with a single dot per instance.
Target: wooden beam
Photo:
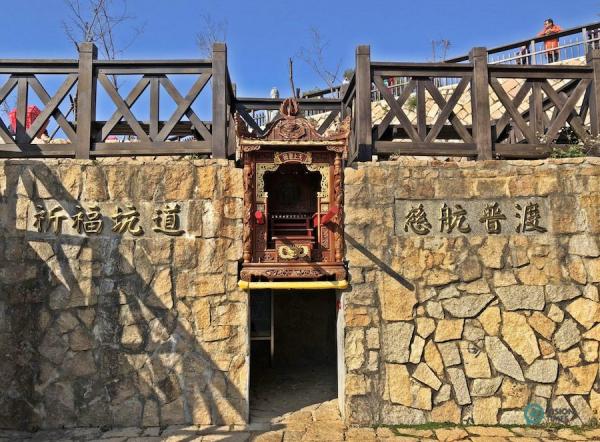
(559, 100)
(566, 110)
(330, 119)
(363, 123)
(421, 110)
(194, 119)
(427, 149)
(447, 110)
(52, 105)
(57, 114)
(219, 101)
(183, 105)
(130, 100)
(396, 109)
(513, 111)
(536, 108)
(6, 89)
(160, 148)
(306, 104)
(123, 108)
(453, 118)
(22, 91)
(240, 108)
(504, 120)
(593, 59)
(389, 117)
(523, 151)
(86, 99)
(480, 104)
(154, 107)
(36, 150)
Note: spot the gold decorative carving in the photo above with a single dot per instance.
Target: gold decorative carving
(293, 157)
(323, 169)
(290, 126)
(293, 273)
(292, 252)
(248, 221)
(339, 201)
(261, 168)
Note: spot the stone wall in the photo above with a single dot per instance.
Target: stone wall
(472, 327)
(121, 328)
(124, 328)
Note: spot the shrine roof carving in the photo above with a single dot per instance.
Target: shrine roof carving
(290, 127)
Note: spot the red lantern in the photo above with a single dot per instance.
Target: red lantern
(260, 218)
(327, 217)
(32, 113)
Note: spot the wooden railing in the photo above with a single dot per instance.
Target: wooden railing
(573, 43)
(508, 110)
(257, 112)
(531, 119)
(123, 133)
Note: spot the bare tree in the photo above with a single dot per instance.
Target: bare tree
(6, 106)
(315, 56)
(212, 32)
(439, 49)
(96, 21)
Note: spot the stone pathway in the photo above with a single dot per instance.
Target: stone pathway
(319, 422)
(277, 392)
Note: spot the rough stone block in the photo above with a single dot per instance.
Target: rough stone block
(485, 410)
(397, 337)
(521, 297)
(459, 385)
(448, 330)
(502, 359)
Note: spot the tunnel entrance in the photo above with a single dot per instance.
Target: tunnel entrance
(293, 351)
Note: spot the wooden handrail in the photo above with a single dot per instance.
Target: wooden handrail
(519, 133)
(324, 104)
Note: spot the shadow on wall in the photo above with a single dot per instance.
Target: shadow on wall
(92, 332)
(363, 404)
(379, 263)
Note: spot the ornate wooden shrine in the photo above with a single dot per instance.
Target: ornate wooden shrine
(293, 199)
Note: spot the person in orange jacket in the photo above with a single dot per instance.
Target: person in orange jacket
(552, 43)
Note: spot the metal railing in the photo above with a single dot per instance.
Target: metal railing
(572, 43)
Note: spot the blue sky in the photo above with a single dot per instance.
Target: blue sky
(262, 34)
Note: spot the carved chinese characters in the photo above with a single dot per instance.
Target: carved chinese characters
(471, 217)
(122, 219)
(127, 221)
(89, 222)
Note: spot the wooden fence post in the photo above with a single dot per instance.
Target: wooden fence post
(219, 101)
(86, 99)
(363, 129)
(480, 103)
(231, 140)
(593, 59)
